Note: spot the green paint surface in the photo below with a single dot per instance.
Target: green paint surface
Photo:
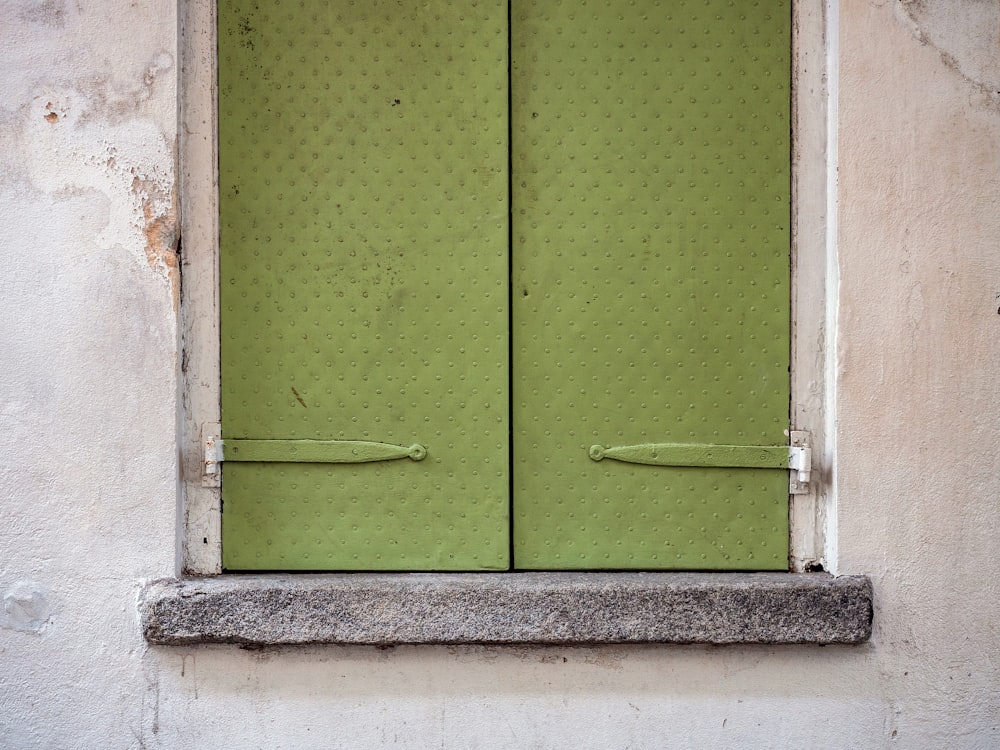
(377, 287)
(364, 257)
(650, 287)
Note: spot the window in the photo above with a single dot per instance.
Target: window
(522, 607)
(615, 525)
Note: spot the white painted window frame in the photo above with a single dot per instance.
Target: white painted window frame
(814, 279)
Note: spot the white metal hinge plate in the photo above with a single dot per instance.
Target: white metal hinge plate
(211, 443)
(799, 462)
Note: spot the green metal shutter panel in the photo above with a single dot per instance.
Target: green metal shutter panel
(650, 290)
(365, 297)
(364, 292)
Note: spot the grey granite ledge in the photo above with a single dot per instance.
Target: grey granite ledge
(509, 608)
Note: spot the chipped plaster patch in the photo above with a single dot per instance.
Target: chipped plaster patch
(133, 167)
(159, 213)
(26, 608)
(96, 125)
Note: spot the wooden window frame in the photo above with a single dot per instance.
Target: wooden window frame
(813, 283)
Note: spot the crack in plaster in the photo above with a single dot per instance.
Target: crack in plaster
(965, 33)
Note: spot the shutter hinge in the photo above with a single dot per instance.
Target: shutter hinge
(294, 451)
(211, 444)
(795, 457)
(799, 462)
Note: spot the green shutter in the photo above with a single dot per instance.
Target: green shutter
(650, 290)
(367, 318)
(364, 262)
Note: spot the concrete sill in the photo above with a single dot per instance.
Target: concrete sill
(509, 608)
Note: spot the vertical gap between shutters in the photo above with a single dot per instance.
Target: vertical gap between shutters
(510, 292)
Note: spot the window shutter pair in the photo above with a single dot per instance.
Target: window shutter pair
(490, 273)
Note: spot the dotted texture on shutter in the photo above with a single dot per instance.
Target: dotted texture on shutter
(650, 289)
(364, 279)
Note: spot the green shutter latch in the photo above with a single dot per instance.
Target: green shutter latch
(319, 451)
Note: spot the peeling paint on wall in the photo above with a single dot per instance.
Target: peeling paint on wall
(86, 118)
(159, 211)
(133, 164)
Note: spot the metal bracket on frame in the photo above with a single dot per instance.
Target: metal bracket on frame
(799, 462)
(211, 444)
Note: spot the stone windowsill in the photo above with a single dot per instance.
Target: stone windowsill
(509, 608)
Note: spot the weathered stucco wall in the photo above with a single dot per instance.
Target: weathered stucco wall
(89, 347)
(88, 412)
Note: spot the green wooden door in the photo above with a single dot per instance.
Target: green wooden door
(364, 256)
(650, 303)
(382, 298)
